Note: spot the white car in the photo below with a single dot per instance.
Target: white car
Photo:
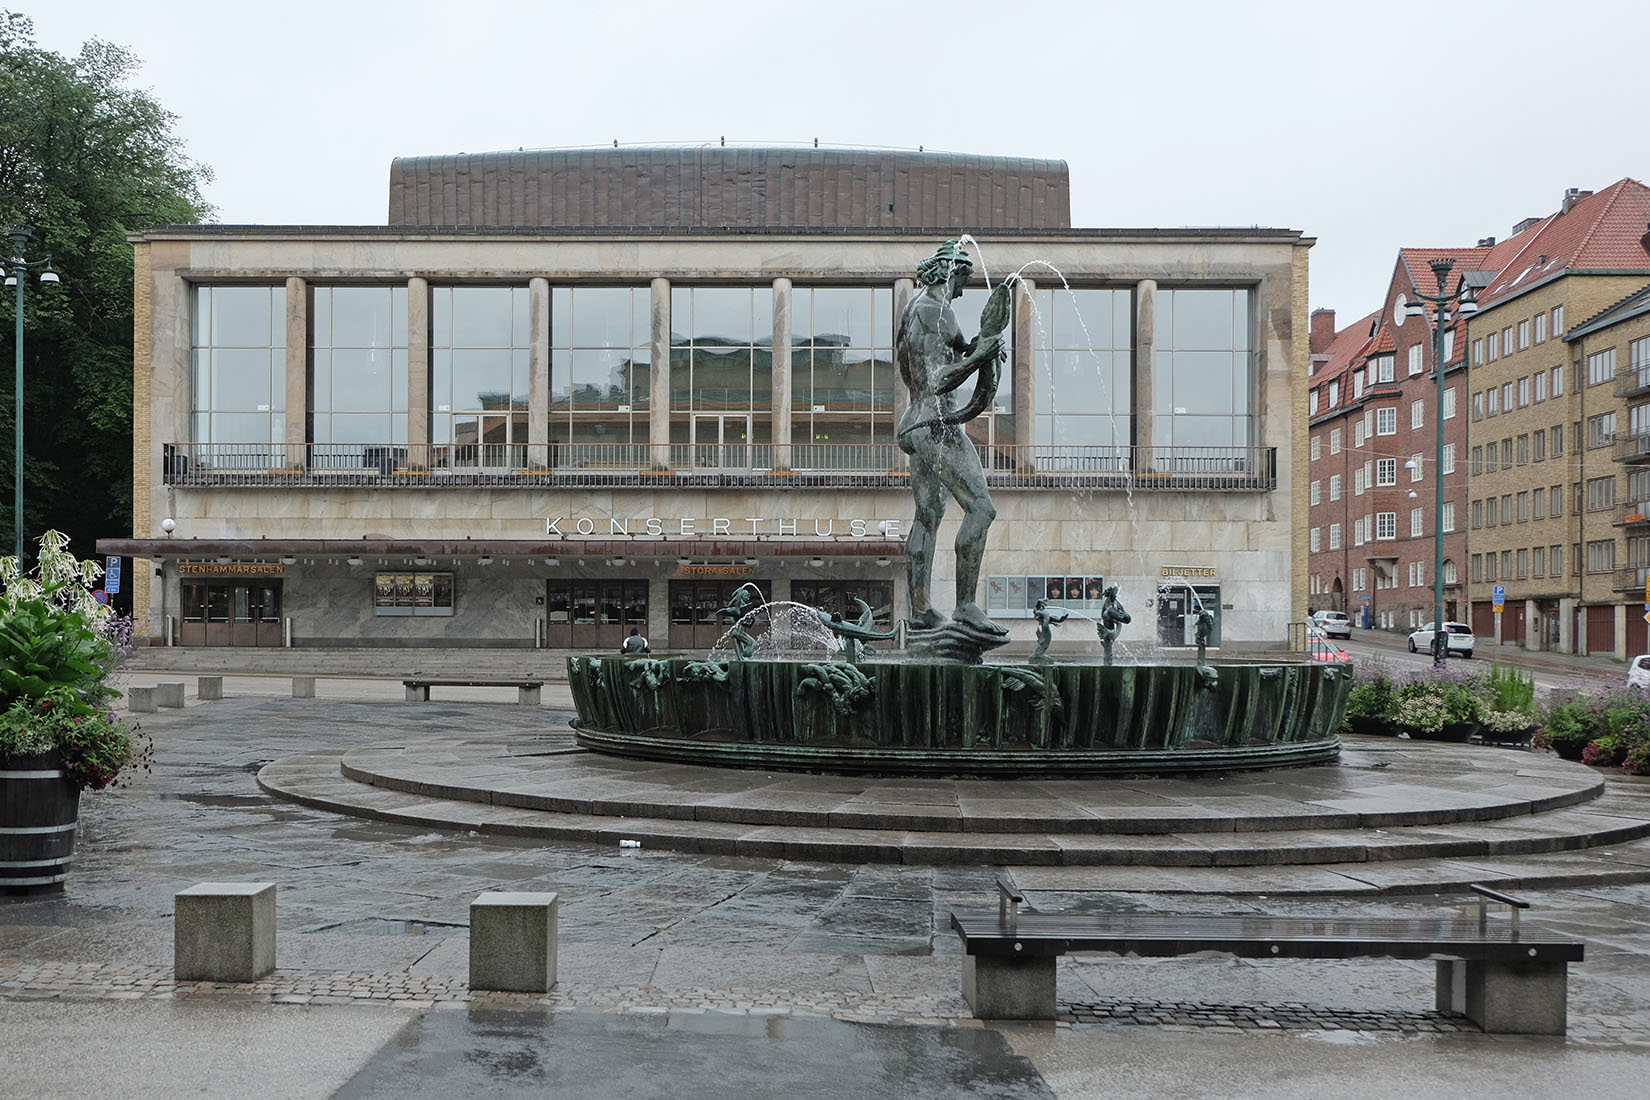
(1334, 624)
(1460, 639)
(1638, 673)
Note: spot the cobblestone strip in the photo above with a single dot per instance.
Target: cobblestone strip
(69, 981)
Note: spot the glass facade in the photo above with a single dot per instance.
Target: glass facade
(1083, 369)
(721, 376)
(238, 384)
(479, 376)
(1203, 375)
(599, 365)
(842, 366)
(358, 373)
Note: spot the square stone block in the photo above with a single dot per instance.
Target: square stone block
(169, 695)
(224, 932)
(1000, 987)
(528, 695)
(140, 700)
(209, 688)
(1517, 998)
(303, 687)
(513, 941)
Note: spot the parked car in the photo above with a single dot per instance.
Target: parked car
(1459, 643)
(1638, 673)
(1334, 624)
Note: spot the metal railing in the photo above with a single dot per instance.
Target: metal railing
(1632, 381)
(1632, 448)
(1631, 579)
(548, 464)
(1632, 513)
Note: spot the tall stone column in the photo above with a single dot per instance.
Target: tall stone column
(1145, 366)
(903, 289)
(658, 409)
(297, 373)
(1024, 396)
(782, 374)
(538, 370)
(418, 373)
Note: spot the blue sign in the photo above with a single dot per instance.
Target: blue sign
(100, 596)
(1500, 594)
(111, 575)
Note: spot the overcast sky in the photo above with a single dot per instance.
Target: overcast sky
(1367, 126)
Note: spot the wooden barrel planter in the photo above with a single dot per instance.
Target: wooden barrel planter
(39, 808)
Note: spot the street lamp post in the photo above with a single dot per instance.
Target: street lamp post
(1440, 301)
(17, 275)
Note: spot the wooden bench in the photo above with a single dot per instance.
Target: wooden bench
(1492, 973)
(527, 691)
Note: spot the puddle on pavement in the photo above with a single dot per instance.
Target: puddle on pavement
(222, 800)
(384, 926)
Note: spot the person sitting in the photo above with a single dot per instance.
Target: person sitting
(635, 643)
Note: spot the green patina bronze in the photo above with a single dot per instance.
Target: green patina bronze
(954, 717)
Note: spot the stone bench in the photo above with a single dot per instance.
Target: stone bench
(527, 691)
(513, 942)
(169, 695)
(140, 700)
(1499, 979)
(224, 932)
(209, 688)
(303, 687)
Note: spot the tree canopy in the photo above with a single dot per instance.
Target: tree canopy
(84, 159)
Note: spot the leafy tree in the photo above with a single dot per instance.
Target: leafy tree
(84, 159)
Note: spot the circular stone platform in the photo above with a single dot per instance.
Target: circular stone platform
(1394, 807)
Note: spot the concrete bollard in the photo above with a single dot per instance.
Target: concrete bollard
(513, 942)
(528, 695)
(140, 700)
(209, 688)
(303, 687)
(169, 695)
(224, 932)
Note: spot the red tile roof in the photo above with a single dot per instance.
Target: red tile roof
(1604, 231)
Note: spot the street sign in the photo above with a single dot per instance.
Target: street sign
(100, 596)
(1499, 597)
(111, 575)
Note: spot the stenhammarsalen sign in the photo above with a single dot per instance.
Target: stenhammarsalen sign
(610, 527)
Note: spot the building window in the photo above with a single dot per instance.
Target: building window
(1555, 498)
(1386, 421)
(1524, 506)
(1601, 493)
(1449, 403)
(1506, 564)
(842, 369)
(1358, 432)
(1558, 321)
(1203, 365)
(1448, 464)
(1541, 328)
(1555, 561)
(1523, 391)
(1489, 566)
(1555, 436)
(1477, 514)
(1317, 449)
(1538, 502)
(1478, 406)
(1523, 563)
(1557, 376)
(1380, 369)
(1416, 466)
(1507, 339)
(721, 358)
(1538, 561)
(1449, 346)
(840, 597)
(1449, 515)
(358, 364)
(1601, 429)
(1601, 367)
(1312, 403)
(1313, 492)
(1415, 530)
(1492, 397)
(1334, 441)
(1507, 397)
(1312, 540)
(1386, 471)
(1492, 511)
(1360, 481)
(1524, 450)
(1491, 462)
(479, 378)
(1506, 453)
(1334, 394)
(1601, 556)
(1358, 580)
(1334, 536)
(238, 389)
(412, 594)
(1414, 359)
(1538, 445)
(1417, 414)
(1523, 335)
(1540, 379)
(1386, 525)
(1357, 384)
(1477, 461)
(1492, 347)
(1477, 352)
(1334, 486)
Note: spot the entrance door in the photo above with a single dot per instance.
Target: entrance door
(721, 441)
(231, 613)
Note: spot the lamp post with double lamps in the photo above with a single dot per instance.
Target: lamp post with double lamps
(1440, 301)
(17, 275)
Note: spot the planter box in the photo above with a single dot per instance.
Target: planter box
(39, 809)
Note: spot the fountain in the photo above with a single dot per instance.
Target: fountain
(942, 707)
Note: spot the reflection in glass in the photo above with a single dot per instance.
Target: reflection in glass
(599, 371)
(358, 391)
(1203, 370)
(1081, 375)
(238, 369)
(479, 376)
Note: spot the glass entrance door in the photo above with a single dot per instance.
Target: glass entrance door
(721, 441)
(231, 613)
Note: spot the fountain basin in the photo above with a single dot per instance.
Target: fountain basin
(910, 716)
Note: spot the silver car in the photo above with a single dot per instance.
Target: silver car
(1459, 634)
(1334, 624)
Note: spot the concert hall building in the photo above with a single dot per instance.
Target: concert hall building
(562, 394)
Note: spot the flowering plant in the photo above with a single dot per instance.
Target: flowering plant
(59, 650)
(1505, 721)
(1423, 711)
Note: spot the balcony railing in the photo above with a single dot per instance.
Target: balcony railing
(571, 464)
(1633, 381)
(1631, 579)
(1633, 514)
(1633, 448)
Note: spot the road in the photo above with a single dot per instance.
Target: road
(1549, 670)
